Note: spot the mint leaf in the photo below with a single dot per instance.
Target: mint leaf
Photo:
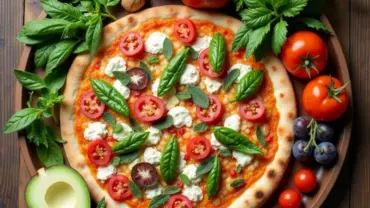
(315, 24)
(241, 38)
(256, 38)
(256, 17)
(279, 36)
(29, 80)
(293, 8)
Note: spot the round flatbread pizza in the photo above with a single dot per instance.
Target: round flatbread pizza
(167, 114)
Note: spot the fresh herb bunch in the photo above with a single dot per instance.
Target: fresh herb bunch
(267, 22)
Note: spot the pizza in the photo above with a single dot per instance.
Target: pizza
(167, 114)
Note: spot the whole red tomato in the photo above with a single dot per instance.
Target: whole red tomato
(304, 54)
(290, 199)
(205, 3)
(324, 98)
(305, 180)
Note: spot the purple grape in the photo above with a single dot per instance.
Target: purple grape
(328, 154)
(299, 153)
(300, 127)
(324, 133)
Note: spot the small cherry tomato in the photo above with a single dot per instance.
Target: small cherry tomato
(179, 184)
(206, 67)
(149, 108)
(305, 180)
(99, 152)
(252, 110)
(304, 54)
(185, 31)
(139, 78)
(214, 111)
(91, 106)
(179, 201)
(239, 53)
(290, 199)
(131, 44)
(233, 173)
(324, 98)
(118, 187)
(198, 148)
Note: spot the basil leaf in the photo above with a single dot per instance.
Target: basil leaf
(263, 49)
(293, 8)
(167, 48)
(260, 136)
(256, 38)
(230, 78)
(38, 134)
(238, 168)
(58, 10)
(199, 97)
(135, 189)
(249, 85)
(29, 80)
(123, 77)
(112, 2)
(109, 118)
(200, 127)
(50, 134)
(44, 27)
(117, 128)
(131, 143)
(224, 152)
(183, 95)
(146, 68)
(135, 125)
(29, 40)
(42, 55)
(81, 48)
(172, 72)
(217, 52)
(110, 96)
(152, 60)
(164, 123)
(193, 54)
(315, 24)
(241, 38)
(172, 190)
(235, 140)
(59, 54)
(50, 156)
(185, 179)
(22, 119)
(279, 36)
(115, 161)
(101, 203)
(94, 33)
(256, 17)
(55, 79)
(169, 160)
(128, 158)
(159, 200)
(238, 183)
(205, 166)
(213, 179)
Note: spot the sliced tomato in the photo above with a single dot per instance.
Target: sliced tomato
(252, 110)
(118, 187)
(179, 201)
(131, 44)
(198, 148)
(206, 67)
(139, 78)
(185, 31)
(214, 111)
(91, 106)
(149, 108)
(99, 152)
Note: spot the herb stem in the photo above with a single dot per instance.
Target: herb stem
(313, 129)
(109, 16)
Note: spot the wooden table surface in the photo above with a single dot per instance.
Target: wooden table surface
(350, 19)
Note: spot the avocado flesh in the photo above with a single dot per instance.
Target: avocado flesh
(57, 187)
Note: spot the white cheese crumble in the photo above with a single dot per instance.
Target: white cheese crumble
(216, 145)
(233, 122)
(122, 89)
(244, 69)
(150, 193)
(95, 130)
(242, 159)
(190, 75)
(124, 133)
(193, 192)
(191, 172)
(155, 86)
(172, 102)
(115, 64)
(154, 43)
(105, 172)
(181, 117)
(154, 136)
(152, 156)
(182, 162)
(201, 44)
(212, 85)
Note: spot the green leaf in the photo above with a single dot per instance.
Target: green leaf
(110, 96)
(81, 48)
(256, 17)
(50, 156)
(60, 53)
(241, 38)
(199, 97)
(217, 52)
(167, 48)
(146, 68)
(135, 125)
(235, 140)
(109, 118)
(279, 36)
(123, 77)
(101, 203)
(169, 160)
(260, 136)
(55, 80)
(205, 166)
(256, 38)
(249, 85)
(255, 3)
(230, 78)
(58, 10)
(44, 27)
(193, 54)
(238, 183)
(183, 95)
(172, 190)
(113, 2)
(200, 127)
(152, 60)
(29, 80)
(239, 4)
(94, 34)
(164, 123)
(115, 161)
(277, 4)
(159, 200)
(128, 158)
(315, 24)
(50, 133)
(213, 179)
(131, 143)
(22, 119)
(224, 152)
(238, 168)
(42, 54)
(293, 8)
(185, 179)
(29, 40)
(38, 134)
(263, 49)
(135, 190)
(117, 129)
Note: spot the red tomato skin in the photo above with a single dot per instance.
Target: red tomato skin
(199, 139)
(138, 50)
(233, 173)
(112, 193)
(290, 199)
(159, 103)
(192, 31)
(318, 105)
(205, 3)
(299, 45)
(209, 73)
(305, 180)
(260, 112)
(218, 114)
(87, 96)
(107, 155)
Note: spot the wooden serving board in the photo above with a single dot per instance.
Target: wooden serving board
(326, 176)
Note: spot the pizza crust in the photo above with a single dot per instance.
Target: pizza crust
(258, 193)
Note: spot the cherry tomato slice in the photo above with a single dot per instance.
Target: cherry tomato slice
(149, 108)
(290, 199)
(206, 67)
(118, 188)
(99, 152)
(253, 110)
(305, 180)
(198, 148)
(131, 44)
(185, 31)
(179, 201)
(213, 113)
(91, 106)
(139, 78)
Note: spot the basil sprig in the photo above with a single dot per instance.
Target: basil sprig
(238, 183)
(172, 72)
(169, 160)
(249, 85)
(131, 143)
(217, 52)
(213, 179)
(235, 140)
(110, 96)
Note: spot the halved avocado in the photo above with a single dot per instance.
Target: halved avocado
(57, 187)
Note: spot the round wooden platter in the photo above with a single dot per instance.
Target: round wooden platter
(326, 175)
